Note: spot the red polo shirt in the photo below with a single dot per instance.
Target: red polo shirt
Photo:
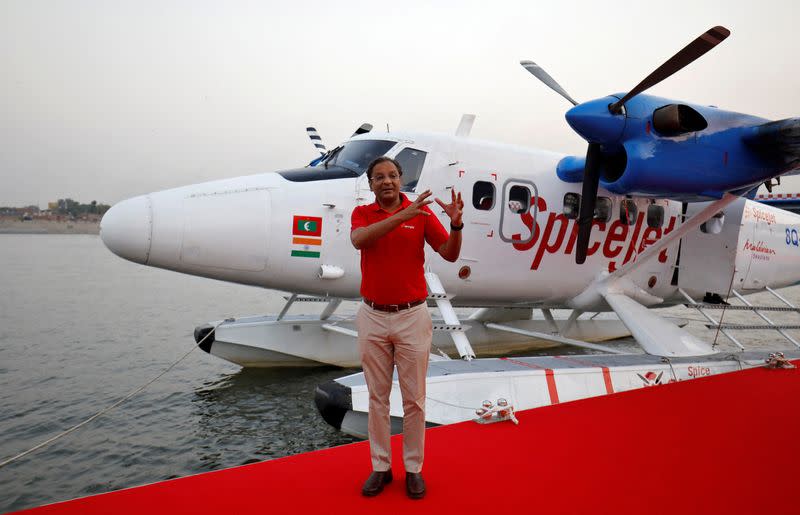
(392, 268)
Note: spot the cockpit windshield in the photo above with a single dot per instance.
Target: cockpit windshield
(357, 155)
(345, 162)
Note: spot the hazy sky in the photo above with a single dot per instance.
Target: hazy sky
(104, 100)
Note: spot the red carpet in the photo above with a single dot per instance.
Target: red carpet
(721, 444)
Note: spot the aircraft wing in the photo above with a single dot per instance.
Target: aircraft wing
(785, 201)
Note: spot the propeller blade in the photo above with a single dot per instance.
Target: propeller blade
(365, 128)
(545, 77)
(711, 38)
(591, 181)
(316, 140)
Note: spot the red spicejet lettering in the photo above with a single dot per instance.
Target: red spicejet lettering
(617, 233)
(557, 229)
(699, 371)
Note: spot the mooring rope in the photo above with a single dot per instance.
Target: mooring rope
(108, 408)
(470, 408)
(722, 316)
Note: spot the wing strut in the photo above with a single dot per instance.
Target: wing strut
(554, 338)
(451, 322)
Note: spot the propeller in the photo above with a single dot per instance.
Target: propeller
(315, 138)
(591, 181)
(324, 154)
(603, 132)
(538, 72)
(691, 52)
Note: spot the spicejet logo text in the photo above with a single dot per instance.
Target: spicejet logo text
(559, 235)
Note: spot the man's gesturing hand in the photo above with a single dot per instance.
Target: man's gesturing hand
(453, 209)
(415, 208)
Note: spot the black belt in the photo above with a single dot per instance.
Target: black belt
(393, 308)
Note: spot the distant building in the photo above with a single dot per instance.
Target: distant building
(19, 211)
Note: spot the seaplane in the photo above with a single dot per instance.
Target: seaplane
(658, 212)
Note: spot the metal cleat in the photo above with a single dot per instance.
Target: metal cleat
(490, 413)
(778, 360)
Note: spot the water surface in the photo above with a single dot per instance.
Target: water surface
(81, 328)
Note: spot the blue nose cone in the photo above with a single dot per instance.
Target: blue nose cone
(595, 123)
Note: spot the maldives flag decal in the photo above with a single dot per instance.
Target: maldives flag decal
(307, 226)
(306, 236)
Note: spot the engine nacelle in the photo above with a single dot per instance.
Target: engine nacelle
(675, 150)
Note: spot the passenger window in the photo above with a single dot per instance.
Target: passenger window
(519, 199)
(603, 209)
(411, 161)
(628, 212)
(655, 216)
(483, 195)
(572, 205)
(714, 224)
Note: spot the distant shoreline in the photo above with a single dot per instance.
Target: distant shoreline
(48, 227)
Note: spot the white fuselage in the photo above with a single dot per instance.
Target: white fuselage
(244, 230)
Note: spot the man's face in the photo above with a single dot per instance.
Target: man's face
(385, 183)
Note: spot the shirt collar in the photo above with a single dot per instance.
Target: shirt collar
(404, 203)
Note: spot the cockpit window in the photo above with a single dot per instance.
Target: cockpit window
(357, 155)
(411, 161)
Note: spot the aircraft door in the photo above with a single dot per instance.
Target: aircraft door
(758, 247)
(709, 253)
(519, 202)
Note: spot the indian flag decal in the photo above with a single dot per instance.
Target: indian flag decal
(306, 236)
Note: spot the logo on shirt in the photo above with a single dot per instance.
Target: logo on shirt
(306, 236)
(404, 226)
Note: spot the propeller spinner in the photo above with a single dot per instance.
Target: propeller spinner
(601, 122)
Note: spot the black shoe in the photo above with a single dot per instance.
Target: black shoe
(415, 485)
(374, 484)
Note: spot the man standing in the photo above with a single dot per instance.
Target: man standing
(394, 326)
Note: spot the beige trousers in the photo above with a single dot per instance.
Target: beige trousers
(402, 339)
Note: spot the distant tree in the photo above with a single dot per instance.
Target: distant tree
(76, 209)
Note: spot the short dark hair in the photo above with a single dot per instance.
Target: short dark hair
(383, 159)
